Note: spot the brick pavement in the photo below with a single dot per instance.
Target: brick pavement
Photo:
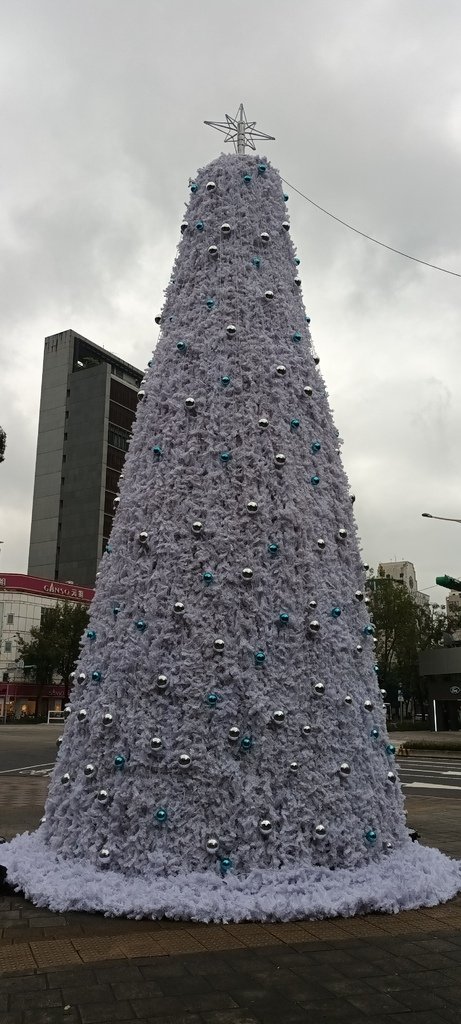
(402, 969)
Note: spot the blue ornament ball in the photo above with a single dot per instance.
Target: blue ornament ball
(247, 178)
(210, 303)
(225, 865)
(157, 451)
(261, 168)
(96, 675)
(256, 262)
(371, 836)
(91, 634)
(284, 618)
(273, 549)
(225, 381)
(200, 225)
(390, 749)
(315, 480)
(225, 456)
(297, 336)
(194, 187)
(181, 346)
(335, 612)
(246, 743)
(141, 625)
(294, 424)
(207, 578)
(260, 657)
(212, 699)
(285, 197)
(161, 815)
(368, 630)
(374, 733)
(315, 446)
(119, 761)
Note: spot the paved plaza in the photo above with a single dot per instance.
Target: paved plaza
(402, 969)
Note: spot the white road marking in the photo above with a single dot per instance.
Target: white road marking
(428, 785)
(451, 773)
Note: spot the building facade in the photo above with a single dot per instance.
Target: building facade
(441, 669)
(22, 601)
(404, 573)
(87, 407)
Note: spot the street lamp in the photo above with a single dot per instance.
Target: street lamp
(446, 519)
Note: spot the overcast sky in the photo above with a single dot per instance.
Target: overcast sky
(102, 105)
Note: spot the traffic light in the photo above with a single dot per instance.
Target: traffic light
(449, 582)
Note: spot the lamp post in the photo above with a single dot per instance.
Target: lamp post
(446, 519)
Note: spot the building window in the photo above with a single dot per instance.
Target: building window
(8, 646)
(118, 438)
(10, 618)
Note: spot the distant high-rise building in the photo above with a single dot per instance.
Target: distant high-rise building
(87, 406)
(404, 573)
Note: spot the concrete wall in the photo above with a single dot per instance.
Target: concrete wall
(57, 363)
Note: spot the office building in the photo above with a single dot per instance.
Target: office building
(87, 407)
(404, 573)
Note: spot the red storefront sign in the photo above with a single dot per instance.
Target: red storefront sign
(50, 588)
(29, 690)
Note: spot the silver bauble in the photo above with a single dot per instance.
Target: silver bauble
(156, 743)
(197, 526)
(210, 186)
(314, 626)
(383, 692)
(162, 682)
(359, 595)
(230, 330)
(102, 796)
(281, 370)
(368, 705)
(67, 711)
(320, 831)
(297, 281)
(158, 320)
(345, 768)
(184, 760)
(342, 533)
(264, 236)
(247, 573)
(107, 719)
(285, 225)
(321, 543)
(178, 608)
(306, 729)
(263, 423)
(212, 845)
(265, 826)
(278, 716)
(71, 677)
(81, 715)
(89, 770)
(307, 390)
(319, 688)
(268, 295)
(313, 603)
(359, 648)
(225, 229)
(252, 507)
(218, 645)
(65, 779)
(141, 394)
(81, 677)
(184, 226)
(280, 459)
(213, 250)
(294, 767)
(104, 854)
(59, 741)
(189, 402)
(143, 537)
(233, 734)
(391, 777)
(348, 699)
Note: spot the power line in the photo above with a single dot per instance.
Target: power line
(370, 238)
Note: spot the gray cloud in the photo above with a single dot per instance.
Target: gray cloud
(101, 113)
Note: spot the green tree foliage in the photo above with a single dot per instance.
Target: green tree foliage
(403, 629)
(54, 645)
(2, 444)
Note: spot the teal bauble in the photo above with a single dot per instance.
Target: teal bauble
(119, 762)
(315, 480)
(161, 815)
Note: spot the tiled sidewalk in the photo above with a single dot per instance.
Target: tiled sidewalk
(86, 968)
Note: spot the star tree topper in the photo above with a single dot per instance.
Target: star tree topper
(239, 130)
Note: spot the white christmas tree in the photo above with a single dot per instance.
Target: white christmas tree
(225, 754)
